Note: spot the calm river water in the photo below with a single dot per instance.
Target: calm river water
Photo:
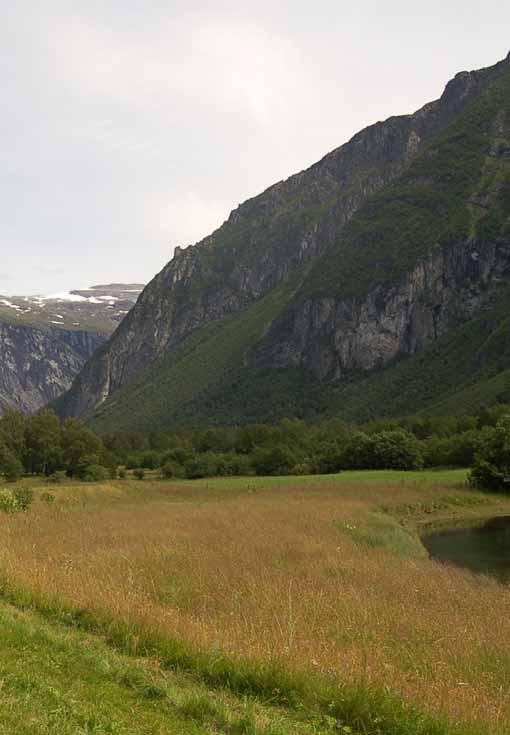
(484, 548)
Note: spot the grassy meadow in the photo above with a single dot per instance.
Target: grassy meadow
(291, 605)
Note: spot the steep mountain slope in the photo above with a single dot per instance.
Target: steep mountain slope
(384, 247)
(45, 341)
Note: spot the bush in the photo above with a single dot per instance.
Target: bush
(358, 453)
(397, 450)
(277, 460)
(15, 500)
(491, 470)
(437, 451)
(171, 470)
(301, 468)
(8, 502)
(95, 473)
(327, 459)
(202, 465)
(139, 473)
(150, 460)
(465, 447)
(232, 465)
(133, 461)
(48, 498)
(24, 497)
(179, 455)
(209, 464)
(122, 473)
(12, 469)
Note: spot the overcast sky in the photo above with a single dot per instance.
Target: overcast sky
(129, 127)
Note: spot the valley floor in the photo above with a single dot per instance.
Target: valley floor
(265, 606)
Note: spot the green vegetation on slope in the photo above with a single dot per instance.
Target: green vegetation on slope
(459, 373)
(430, 205)
(212, 354)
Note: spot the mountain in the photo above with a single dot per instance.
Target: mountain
(45, 341)
(350, 288)
(97, 309)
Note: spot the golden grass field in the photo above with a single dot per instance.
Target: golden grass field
(322, 574)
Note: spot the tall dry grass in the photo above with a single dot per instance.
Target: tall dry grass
(270, 574)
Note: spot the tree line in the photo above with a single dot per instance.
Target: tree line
(41, 444)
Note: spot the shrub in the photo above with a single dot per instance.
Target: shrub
(150, 460)
(491, 470)
(139, 473)
(12, 468)
(358, 453)
(24, 497)
(122, 473)
(437, 451)
(326, 459)
(8, 502)
(95, 473)
(209, 464)
(48, 498)
(202, 465)
(301, 468)
(133, 461)
(180, 455)
(172, 469)
(396, 450)
(231, 465)
(15, 500)
(465, 447)
(277, 460)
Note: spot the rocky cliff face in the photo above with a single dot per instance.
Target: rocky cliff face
(45, 341)
(454, 207)
(37, 365)
(332, 336)
(265, 241)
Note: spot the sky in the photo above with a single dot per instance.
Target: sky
(130, 126)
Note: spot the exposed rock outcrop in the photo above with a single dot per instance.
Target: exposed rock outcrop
(37, 365)
(331, 336)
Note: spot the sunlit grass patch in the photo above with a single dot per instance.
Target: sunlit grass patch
(375, 531)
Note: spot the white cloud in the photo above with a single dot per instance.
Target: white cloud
(206, 62)
(182, 219)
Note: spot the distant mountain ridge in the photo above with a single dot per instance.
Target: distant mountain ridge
(46, 340)
(96, 309)
(375, 254)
